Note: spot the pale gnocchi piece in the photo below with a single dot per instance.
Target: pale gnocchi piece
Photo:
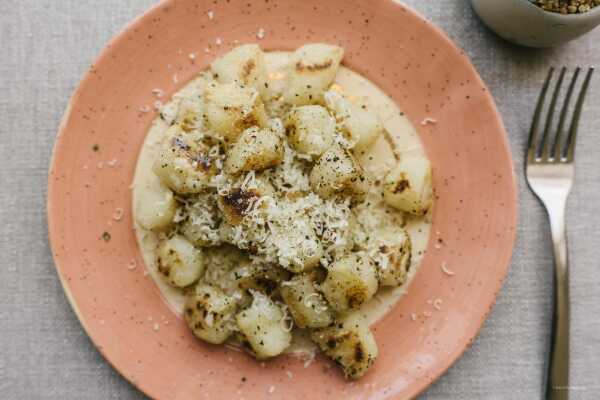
(297, 244)
(255, 150)
(359, 126)
(307, 306)
(350, 344)
(201, 227)
(351, 281)
(245, 65)
(263, 327)
(184, 164)
(156, 206)
(310, 129)
(390, 248)
(312, 70)
(338, 172)
(179, 261)
(190, 115)
(210, 313)
(408, 187)
(231, 108)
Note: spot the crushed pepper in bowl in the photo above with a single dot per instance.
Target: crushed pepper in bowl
(567, 6)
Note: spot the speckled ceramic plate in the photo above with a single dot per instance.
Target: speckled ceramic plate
(89, 200)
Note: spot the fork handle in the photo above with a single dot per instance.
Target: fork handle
(557, 385)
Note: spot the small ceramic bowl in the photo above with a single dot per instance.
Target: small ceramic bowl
(523, 23)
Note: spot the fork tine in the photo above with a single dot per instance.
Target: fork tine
(531, 152)
(556, 150)
(571, 140)
(545, 145)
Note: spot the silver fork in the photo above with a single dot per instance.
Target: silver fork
(550, 171)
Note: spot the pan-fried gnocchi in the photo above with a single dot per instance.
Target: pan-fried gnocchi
(306, 304)
(408, 186)
(360, 126)
(337, 172)
(244, 65)
(184, 164)
(350, 344)
(156, 208)
(179, 261)
(255, 150)
(230, 108)
(263, 327)
(310, 129)
(209, 313)
(351, 281)
(267, 215)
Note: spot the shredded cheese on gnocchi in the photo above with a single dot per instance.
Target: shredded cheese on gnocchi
(267, 219)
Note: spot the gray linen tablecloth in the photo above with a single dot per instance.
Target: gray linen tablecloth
(46, 46)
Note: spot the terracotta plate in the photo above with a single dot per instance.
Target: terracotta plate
(89, 199)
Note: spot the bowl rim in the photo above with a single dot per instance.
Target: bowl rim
(51, 194)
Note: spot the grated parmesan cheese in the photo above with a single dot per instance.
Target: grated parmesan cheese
(209, 319)
(158, 92)
(428, 120)
(310, 357)
(446, 270)
(118, 214)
